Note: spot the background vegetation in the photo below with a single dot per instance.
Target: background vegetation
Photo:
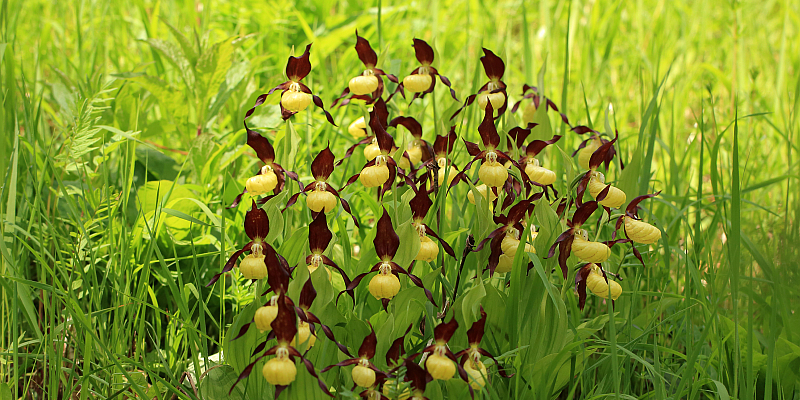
(104, 260)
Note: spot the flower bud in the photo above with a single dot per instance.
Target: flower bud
(319, 200)
(416, 83)
(253, 267)
(295, 101)
(363, 84)
(279, 371)
(440, 367)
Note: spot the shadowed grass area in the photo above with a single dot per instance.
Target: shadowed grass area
(124, 145)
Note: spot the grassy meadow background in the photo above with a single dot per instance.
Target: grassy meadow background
(104, 261)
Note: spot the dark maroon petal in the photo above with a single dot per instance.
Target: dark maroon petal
(495, 250)
(446, 83)
(230, 264)
(581, 129)
(444, 331)
(420, 204)
(243, 330)
(367, 349)
(386, 239)
(322, 166)
(517, 213)
(580, 284)
(601, 153)
(475, 332)
(365, 52)
(493, 65)
(381, 112)
(319, 236)
(310, 369)
(416, 375)
(487, 129)
(261, 145)
(307, 295)
(423, 52)
(473, 149)
(396, 350)
(535, 147)
(298, 68)
(410, 123)
(246, 372)
(285, 324)
(277, 275)
(518, 135)
(318, 103)
(445, 245)
(256, 223)
(565, 248)
(633, 207)
(350, 361)
(385, 140)
(583, 213)
(443, 145)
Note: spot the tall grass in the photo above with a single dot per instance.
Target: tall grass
(123, 145)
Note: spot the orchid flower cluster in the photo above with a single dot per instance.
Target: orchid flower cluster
(512, 179)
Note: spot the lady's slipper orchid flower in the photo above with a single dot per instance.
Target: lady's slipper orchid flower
(368, 86)
(305, 328)
(319, 238)
(280, 371)
(256, 227)
(505, 240)
(422, 79)
(428, 250)
(372, 150)
(606, 195)
(321, 195)
(295, 96)
(595, 278)
(636, 229)
(494, 91)
(418, 150)
(418, 378)
(364, 373)
(381, 171)
(539, 175)
(271, 176)
(587, 147)
(385, 285)
(439, 166)
(441, 362)
(492, 172)
(471, 357)
(532, 92)
(576, 240)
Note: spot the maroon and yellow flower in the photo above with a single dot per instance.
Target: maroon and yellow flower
(422, 79)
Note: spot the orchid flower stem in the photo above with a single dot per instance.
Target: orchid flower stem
(467, 249)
